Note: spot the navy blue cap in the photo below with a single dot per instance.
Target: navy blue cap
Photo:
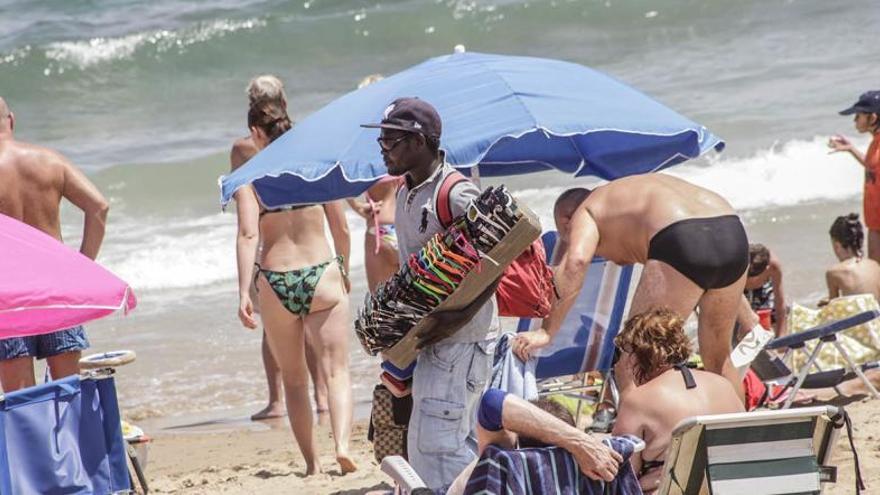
(410, 115)
(869, 102)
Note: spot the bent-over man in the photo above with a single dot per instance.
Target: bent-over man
(691, 242)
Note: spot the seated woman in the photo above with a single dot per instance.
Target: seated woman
(854, 273)
(655, 349)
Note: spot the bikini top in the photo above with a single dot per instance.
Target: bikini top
(686, 375)
(284, 208)
(689, 383)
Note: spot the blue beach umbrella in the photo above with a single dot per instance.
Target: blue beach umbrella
(506, 115)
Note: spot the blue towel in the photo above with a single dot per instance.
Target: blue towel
(547, 470)
(512, 375)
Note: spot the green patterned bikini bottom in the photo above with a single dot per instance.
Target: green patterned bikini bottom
(296, 288)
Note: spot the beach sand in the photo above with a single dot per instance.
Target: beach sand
(255, 459)
(238, 457)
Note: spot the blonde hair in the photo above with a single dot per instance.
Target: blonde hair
(656, 339)
(372, 78)
(266, 88)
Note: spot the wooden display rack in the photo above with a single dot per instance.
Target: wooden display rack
(520, 237)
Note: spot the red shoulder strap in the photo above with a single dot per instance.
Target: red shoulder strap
(441, 204)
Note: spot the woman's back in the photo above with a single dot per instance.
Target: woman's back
(651, 411)
(855, 276)
(293, 238)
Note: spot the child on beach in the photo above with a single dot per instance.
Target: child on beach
(867, 120)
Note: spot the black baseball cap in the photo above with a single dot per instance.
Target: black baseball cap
(410, 115)
(869, 102)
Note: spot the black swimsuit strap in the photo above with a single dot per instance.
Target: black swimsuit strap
(686, 374)
(284, 208)
(648, 466)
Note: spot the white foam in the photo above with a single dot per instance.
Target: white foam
(188, 252)
(789, 174)
(87, 53)
(799, 171)
(201, 251)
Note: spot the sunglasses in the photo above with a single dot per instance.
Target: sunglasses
(388, 144)
(616, 357)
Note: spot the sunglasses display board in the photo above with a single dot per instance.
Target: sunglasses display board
(449, 272)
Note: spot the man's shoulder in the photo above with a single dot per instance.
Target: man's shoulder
(28, 155)
(462, 184)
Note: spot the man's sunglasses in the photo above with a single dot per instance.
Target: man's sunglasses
(388, 144)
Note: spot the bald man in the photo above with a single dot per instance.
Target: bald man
(692, 245)
(33, 180)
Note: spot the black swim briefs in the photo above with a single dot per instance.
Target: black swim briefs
(711, 252)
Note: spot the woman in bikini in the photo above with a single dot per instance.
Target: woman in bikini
(302, 290)
(380, 241)
(854, 273)
(655, 349)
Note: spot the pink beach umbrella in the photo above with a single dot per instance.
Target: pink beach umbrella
(46, 286)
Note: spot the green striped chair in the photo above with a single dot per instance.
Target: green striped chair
(756, 453)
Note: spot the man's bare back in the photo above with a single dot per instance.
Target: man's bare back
(629, 211)
(33, 180)
(693, 247)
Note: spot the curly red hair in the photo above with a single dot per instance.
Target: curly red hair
(656, 339)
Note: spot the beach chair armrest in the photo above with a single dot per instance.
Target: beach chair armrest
(798, 339)
(402, 473)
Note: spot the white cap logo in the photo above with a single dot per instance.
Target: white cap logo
(388, 110)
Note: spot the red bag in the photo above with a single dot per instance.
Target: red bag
(526, 289)
(756, 393)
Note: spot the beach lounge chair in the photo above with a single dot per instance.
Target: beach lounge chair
(756, 453)
(585, 341)
(774, 370)
(63, 437)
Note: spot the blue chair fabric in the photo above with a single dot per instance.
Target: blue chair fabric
(63, 437)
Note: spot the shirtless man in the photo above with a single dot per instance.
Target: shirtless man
(270, 88)
(854, 273)
(33, 180)
(764, 290)
(692, 244)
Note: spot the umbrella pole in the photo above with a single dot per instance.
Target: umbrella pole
(475, 175)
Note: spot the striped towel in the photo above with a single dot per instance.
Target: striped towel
(548, 470)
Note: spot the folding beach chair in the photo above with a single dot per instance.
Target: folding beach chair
(585, 341)
(774, 370)
(63, 437)
(756, 453)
